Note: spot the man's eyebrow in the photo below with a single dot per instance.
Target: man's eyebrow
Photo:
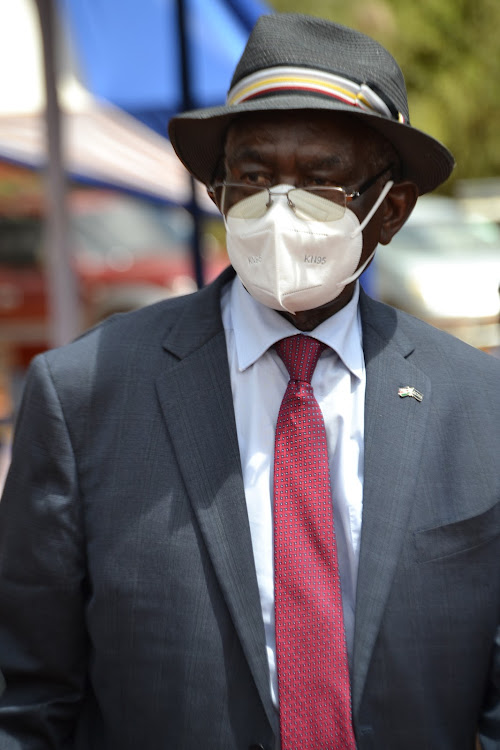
(250, 153)
(322, 162)
(245, 153)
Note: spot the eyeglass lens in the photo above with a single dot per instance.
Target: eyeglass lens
(311, 204)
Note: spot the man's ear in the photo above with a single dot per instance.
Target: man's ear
(398, 205)
(218, 176)
(211, 195)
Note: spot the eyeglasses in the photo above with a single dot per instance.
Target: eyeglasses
(315, 203)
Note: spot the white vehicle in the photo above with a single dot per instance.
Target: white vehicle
(444, 267)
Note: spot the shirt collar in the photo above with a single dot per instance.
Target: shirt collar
(257, 327)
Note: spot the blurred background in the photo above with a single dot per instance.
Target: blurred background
(97, 216)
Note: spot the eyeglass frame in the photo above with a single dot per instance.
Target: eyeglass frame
(348, 196)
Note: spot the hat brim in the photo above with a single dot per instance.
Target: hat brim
(198, 137)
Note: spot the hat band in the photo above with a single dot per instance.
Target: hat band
(284, 79)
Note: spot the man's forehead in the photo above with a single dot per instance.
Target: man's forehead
(304, 131)
(327, 126)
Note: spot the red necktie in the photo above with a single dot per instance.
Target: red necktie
(313, 674)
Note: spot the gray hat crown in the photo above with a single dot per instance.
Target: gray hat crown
(309, 42)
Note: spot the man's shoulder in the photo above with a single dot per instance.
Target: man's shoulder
(125, 331)
(430, 346)
(136, 340)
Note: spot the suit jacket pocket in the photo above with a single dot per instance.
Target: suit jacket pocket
(459, 537)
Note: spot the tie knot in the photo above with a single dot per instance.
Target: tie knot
(300, 354)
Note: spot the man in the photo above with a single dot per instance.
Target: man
(155, 466)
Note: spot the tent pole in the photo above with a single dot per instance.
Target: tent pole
(64, 323)
(187, 103)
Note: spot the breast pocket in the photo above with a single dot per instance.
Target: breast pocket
(458, 538)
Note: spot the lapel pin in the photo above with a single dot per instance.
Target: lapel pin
(409, 390)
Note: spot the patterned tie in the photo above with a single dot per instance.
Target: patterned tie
(313, 674)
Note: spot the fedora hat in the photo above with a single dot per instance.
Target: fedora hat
(294, 62)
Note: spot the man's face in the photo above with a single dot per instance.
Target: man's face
(305, 149)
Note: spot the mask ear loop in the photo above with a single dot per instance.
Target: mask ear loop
(222, 201)
(359, 229)
(374, 208)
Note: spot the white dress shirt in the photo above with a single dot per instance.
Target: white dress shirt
(259, 380)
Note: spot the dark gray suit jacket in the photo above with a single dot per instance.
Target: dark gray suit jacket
(129, 607)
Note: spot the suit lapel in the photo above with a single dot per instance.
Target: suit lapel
(394, 433)
(196, 399)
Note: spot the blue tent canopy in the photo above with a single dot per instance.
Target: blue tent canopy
(130, 52)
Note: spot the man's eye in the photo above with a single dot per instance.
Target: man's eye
(320, 182)
(256, 178)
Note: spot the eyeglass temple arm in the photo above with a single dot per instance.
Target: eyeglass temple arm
(366, 185)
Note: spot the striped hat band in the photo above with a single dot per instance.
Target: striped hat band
(286, 79)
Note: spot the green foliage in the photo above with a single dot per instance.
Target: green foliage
(449, 53)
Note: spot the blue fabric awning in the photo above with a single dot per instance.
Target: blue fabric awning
(129, 51)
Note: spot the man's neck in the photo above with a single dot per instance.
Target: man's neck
(308, 320)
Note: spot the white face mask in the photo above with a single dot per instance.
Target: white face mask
(290, 264)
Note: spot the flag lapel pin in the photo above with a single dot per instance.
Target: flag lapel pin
(409, 390)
